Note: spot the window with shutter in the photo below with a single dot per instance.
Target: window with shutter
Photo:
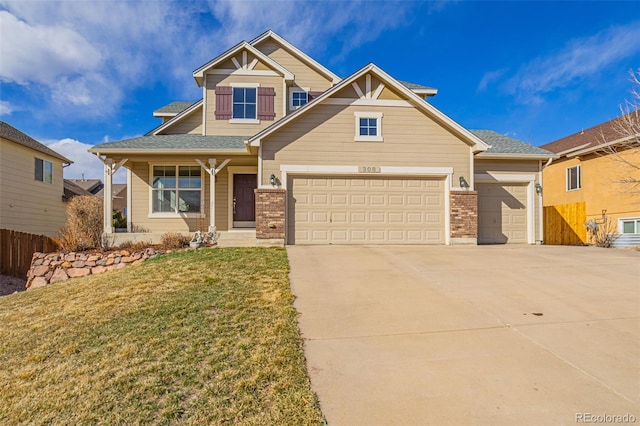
(223, 102)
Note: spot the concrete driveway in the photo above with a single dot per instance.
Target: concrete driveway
(470, 335)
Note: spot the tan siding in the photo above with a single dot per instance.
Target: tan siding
(28, 205)
(347, 92)
(388, 94)
(191, 123)
(500, 166)
(325, 136)
(223, 127)
(305, 75)
(141, 191)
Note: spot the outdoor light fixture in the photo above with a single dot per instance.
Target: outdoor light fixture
(538, 189)
(272, 180)
(463, 183)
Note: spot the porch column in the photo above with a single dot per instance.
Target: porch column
(212, 195)
(107, 201)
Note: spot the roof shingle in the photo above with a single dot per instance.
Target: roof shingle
(175, 143)
(503, 144)
(174, 108)
(11, 133)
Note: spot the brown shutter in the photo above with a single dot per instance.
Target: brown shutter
(223, 102)
(312, 95)
(266, 97)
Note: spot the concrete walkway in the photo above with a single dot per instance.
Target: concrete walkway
(414, 335)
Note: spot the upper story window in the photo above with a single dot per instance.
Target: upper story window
(574, 178)
(368, 126)
(245, 103)
(298, 98)
(176, 189)
(44, 171)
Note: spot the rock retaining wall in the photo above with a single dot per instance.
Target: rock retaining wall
(48, 268)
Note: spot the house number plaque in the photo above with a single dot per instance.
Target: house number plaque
(369, 169)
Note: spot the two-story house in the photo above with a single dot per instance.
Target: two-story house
(598, 170)
(285, 151)
(31, 184)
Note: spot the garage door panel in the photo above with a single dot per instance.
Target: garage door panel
(502, 213)
(360, 210)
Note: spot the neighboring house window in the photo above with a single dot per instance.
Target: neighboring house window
(574, 178)
(298, 98)
(176, 189)
(630, 226)
(44, 171)
(245, 102)
(368, 126)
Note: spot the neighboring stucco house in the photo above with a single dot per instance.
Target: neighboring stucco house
(589, 171)
(283, 150)
(31, 184)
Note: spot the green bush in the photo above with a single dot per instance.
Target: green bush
(119, 221)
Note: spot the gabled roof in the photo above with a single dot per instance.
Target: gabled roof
(91, 185)
(299, 53)
(419, 89)
(199, 73)
(504, 146)
(71, 189)
(179, 116)
(594, 137)
(412, 97)
(172, 109)
(14, 135)
(180, 143)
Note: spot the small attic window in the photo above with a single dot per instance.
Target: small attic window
(368, 127)
(298, 98)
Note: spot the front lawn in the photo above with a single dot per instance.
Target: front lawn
(205, 337)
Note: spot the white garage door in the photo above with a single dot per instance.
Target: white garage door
(502, 213)
(365, 210)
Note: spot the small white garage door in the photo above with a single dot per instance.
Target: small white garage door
(365, 210)
(502, 213)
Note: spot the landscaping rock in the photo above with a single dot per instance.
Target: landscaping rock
(78, 264)
(39, 271)
(78, 272)
(37, 282)
(58, 275)
(98, 269)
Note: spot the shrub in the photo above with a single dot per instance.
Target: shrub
(119, 221)
(83, 229)
(173, 240)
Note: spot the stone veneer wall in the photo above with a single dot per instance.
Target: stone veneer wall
(464, 215)
(270, 214)
(48, 268)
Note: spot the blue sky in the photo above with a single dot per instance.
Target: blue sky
(77, 73)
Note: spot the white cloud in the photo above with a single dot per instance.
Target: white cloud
(85, 165)
(37, 53)
(6, 108)
(579, 60)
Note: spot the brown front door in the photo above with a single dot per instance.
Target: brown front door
(244, 201)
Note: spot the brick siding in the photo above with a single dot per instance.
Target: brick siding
(464, 214)
(270, 213)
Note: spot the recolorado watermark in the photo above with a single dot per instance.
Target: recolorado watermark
(605, 418)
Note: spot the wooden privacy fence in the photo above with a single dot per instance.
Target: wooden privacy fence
(564, 224)
(17, 248)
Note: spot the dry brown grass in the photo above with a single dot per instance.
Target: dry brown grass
(174, 240)
(196, 337)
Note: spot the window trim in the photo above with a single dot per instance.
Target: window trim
(176, 214)
(362, 138)
(44, 179)
(293, 90)
(255, 120)
(568, 179)
(621, 222)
